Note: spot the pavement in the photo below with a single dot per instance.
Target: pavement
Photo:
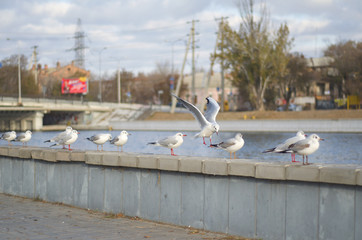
(23, 218)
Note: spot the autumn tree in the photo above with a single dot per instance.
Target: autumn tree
(9, 77)
(347, 57)
(251, 54)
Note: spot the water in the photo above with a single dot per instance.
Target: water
(340, 148)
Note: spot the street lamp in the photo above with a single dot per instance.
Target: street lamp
(100, 74)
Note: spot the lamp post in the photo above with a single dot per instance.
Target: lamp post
(100, 74)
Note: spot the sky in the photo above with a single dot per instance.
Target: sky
(136, 35)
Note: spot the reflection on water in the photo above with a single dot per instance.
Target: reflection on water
(337, 148)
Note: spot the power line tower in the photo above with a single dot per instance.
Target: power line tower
(79, 45)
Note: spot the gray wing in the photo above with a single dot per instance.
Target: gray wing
(114, 140)
(167, 141)
(5, 135)
(19, 137)
(226, 144)
(194, 110)
(212, 109)
(300, 145)
(65, 138)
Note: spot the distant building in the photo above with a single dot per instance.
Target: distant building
(204, 89)
(47, 77)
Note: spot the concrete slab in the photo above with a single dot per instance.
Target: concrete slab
(111, 159)
(63, 155)
(242, 207)
(6, 173)
(308, 173)
(96, 191)
(94, 158)
(190, 164)
(14, 151)
(302, 206)
(80, 185)
(28, 178)
(148, 161)
(338, 174)
(128, 160)
(216, 206)
(192, 200)
(4, 150)
(113, 190)
(150, 194)
(17, 176)
(25, 153)
(66, 183)
(37, 154)
(359, 177)
(41, 169)
(215, 166)
(336, 212)
(54, 179)
(241, 167)
(77, 156)
(170, 206)
(358, 211)
(131, 191)
(270, 209)
(49, 155)
(168, 163)
(266, 170)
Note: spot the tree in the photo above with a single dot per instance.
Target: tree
(9, 77)
(251, 54)
(347, 57)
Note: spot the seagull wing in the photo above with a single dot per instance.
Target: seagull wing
(19, 137)
(116, 139)
(300, 145)
(212, 109)
(169, 141)
(226, 144)
(194, 110)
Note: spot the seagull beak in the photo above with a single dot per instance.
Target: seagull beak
(321, 139)
(305, 135)
(184, 135)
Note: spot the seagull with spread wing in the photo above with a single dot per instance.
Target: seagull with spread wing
(207, 122)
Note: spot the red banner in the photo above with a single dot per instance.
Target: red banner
(75, 85)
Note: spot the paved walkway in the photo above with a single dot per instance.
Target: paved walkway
(22, 218)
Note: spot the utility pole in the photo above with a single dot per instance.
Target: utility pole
(119, 95)
(221, 25)
(193, 91)
(35, 62)
(19, 82)
(100, 74)
(178, 87)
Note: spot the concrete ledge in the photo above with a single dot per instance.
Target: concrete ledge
(267, 170)
(77, 156)
(190, 164)
(338, 174)
(50, 155)
(326, 173)
(215, 166)
(128, 160)
(168, 163)
(241, 167)
(308, 173)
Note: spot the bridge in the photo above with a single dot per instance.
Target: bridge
(42, 114)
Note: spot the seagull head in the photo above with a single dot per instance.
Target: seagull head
(216, 128)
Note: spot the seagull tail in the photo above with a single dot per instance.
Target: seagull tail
(152, 143)
(269, 150)
(47, 141)
(53, 145)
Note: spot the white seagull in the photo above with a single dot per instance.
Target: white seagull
(67, 139)
(61, 136)
(207, 122)
(231, 145)
(24, 137)
(306, 146)
(100, 139)
(170, 142)
(120, 140)
(284, 146)
(8, 136)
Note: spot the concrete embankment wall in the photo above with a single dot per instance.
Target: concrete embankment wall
(240, 197)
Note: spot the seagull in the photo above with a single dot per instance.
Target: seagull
(67, 139)
(61, 135)
(100, 139)
(120, 140)
(170, 142)
(8, 136)
(284, 146)
(24, 137)
(231, 145)
(207, 122)
(306, 146)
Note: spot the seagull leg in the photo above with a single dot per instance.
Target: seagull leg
(172, 153)
(203, 138)
(306, 162)
(210, 141)
(69, 148)
(230, 155)
(97, 148)
(234, 155)
(122, 148)
(102, 148)
(303, 159)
